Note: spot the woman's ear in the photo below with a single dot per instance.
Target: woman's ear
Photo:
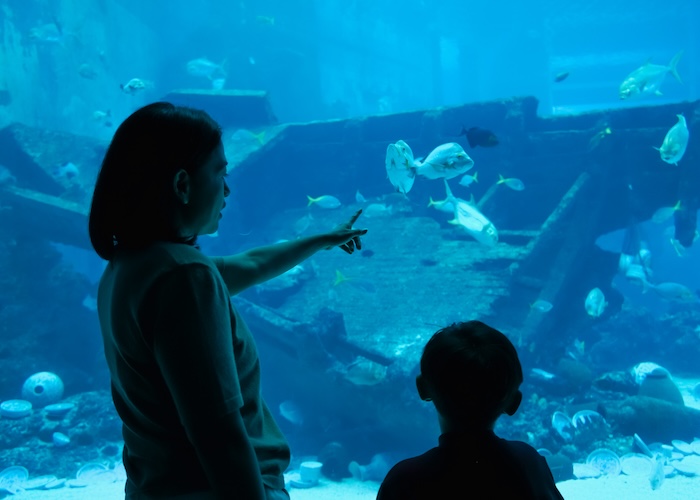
(181, 186)
(422, 388)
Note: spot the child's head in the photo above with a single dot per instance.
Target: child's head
(472, 374)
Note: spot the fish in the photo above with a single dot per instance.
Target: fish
(377, 210)
(90, 303)
(135, 85)
(205, 68)
(541, 374)
(648, 78)
(66, 171)
(662, 214)
(398, 170)
(466, 215)
(658, 475)
(675, 292)
(325, 201)
(595, 141)
(358, 283)
(675, 143)
(103, 117)
(560, 77)
(87, 71)
(47, 33)
(541, 305)
(512, 182)
(479, 137)
(367, 253)
(303, 223)
(445, 161)
(359, 198)
(364, 371)
(243, 135)
(595, 303)
(467, 180)
(265, 20)
(291, 412)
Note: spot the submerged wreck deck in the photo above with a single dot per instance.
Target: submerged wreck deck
(422, 272)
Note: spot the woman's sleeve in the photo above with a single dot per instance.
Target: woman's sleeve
(193, 343)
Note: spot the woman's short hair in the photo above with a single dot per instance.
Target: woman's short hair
(132, 203)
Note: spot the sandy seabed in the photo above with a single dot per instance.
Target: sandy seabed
(612, 488)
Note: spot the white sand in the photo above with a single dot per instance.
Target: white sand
(612, 488)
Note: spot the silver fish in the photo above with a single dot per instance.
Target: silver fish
(675, 142)
(648, 78)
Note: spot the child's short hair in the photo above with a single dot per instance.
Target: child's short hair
(472, 371)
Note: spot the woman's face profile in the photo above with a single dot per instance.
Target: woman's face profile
(208, 193)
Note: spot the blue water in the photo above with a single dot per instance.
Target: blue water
(61, 67)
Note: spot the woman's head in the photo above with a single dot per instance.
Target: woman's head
(471, 372)
(150, 186)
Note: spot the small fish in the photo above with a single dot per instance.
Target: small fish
(87, 71)
(479, 137)
(359, 198)
(675, 142)
(66, 171)
(598, 138)
(648, 78)
(245, 136)
(658, 475)
(303, 224)
(47, 33)
(377, 210)
(365, 372)
(205, 68)
(467, 180)
(90, 303)
(576, 350)
(512, 182)
(664, 213)
(134, 86)
(265, 20)
(103, 117)
(675, 292)
(291, 412)
(560, 77)
(325, 201)
(542, 305)
(358, 283)
(595, 303)
(540, 374)
(367, 253)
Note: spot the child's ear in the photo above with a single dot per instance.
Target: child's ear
(514, 404)
(422, 388)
